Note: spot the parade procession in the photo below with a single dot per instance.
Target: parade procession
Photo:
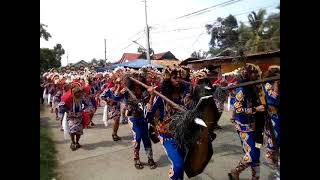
(156, 90)
(176, 107)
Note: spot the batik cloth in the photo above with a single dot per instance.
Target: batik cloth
(245, 125)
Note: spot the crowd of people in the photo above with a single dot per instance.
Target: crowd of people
(75, 95)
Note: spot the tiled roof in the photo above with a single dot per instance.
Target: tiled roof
(129, 57)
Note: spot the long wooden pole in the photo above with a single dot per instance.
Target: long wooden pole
(159, 94)
(275, 78)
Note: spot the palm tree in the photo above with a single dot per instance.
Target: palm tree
(44, 33)
(273, 30)
(256, 21)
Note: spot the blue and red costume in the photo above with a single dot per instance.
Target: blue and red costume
(174, 153)
(273, 108)
(245, 126)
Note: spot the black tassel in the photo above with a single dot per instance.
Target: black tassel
(186, 132)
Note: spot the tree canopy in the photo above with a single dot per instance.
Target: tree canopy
(49, 58)
(44, 33)
(261, 34)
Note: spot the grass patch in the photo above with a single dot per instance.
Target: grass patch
(48, 160)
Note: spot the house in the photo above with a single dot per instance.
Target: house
(127, 57)
(166, 62)
(164, 56)
(230, 63)
(81, 63)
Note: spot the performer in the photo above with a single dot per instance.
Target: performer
(113, 97)
(57, 99)
(272, 92)
(171, 87)
(72, 103)
(245, 125)
(139, 124)
(89, 91)
(89, 110)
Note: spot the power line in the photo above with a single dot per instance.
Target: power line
(132, 43)
(201, 24)
(203, 32)
(226, 3)
(216, 5)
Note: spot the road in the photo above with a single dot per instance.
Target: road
(100, 158)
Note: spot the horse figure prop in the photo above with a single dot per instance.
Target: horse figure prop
(193, 130)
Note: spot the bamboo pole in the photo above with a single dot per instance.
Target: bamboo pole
(275, 78)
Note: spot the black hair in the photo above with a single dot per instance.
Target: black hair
(167, 88)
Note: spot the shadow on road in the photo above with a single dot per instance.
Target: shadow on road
(227, 149)
(100, 126)
(104, 144)
(44, 120)
(127, 138)
(227, 128)
(163, 161)
(65, 141)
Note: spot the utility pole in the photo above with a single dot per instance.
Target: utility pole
(147, 32)
(67, 59)
(105, 52)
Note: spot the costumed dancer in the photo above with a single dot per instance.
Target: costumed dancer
(272, 92)
(171, 87)
(89, 94)
(245, 125)
(139, 123)
(113, 96)
(71, 103)
(89, 110)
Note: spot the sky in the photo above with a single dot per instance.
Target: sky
(81, 26)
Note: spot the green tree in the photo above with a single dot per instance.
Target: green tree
(44, 33)
(272, 30)
(224, 34)
(199, 54)
(262, 34)
(101, 63)
(48, 59)
(94, 61)
(258, 42)
(59, 51)
(143, 51)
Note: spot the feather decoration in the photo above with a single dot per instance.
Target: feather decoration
(65, 126)
(105, 115)
(49, 98)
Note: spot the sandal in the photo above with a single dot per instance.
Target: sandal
(116, 138)
(138, 164)
(152, 164)
(73, 147)
(77, 145)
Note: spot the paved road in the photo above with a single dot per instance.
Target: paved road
(100, 158)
